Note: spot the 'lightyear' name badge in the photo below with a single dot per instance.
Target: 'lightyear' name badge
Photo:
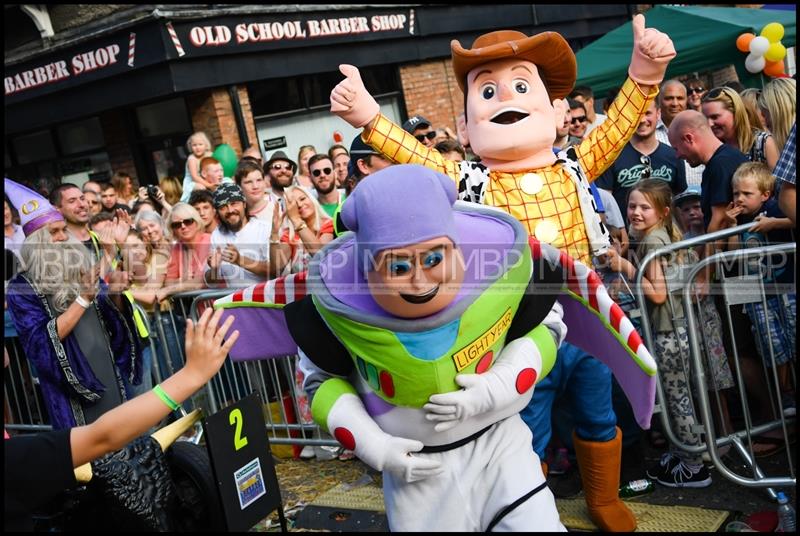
(477, 348)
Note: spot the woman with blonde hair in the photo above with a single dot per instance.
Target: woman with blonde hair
(172, 190)
(303, 175)
(727, 116)
(778, 103)
(307, 228)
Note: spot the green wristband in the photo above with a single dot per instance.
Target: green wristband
(165, 398)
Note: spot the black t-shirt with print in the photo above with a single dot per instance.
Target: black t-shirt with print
(627, 170)
(716, 187)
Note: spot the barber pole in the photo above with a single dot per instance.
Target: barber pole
(131, 49)
(175, 40)
(411, 22)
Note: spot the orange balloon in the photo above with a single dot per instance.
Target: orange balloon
(774, 68)
(743, 42)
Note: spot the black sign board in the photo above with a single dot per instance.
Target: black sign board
(240, 455)
(274, 143)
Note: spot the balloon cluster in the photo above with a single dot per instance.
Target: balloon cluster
(766, 52)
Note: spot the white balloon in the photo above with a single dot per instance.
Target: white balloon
(759, 45)
(754, 64)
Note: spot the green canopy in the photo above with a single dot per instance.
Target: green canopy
(704, 38)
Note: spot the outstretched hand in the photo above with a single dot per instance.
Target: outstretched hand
(652, 52)
(351, 101)
(206, 347)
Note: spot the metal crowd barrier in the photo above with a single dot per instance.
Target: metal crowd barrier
(273, 378)
(23, 406)
(736, 292)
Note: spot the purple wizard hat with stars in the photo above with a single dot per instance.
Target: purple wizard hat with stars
(34, 210)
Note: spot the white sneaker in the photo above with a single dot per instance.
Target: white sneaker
(307, 453)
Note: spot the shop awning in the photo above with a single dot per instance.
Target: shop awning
(704, 38)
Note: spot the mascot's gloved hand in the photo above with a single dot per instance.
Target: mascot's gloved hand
(652, 52)
(348, 421)
(351, 101)
(512, 376)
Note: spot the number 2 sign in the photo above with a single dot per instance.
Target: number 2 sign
(237, 442)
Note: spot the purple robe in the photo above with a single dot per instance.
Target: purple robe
(65, 375)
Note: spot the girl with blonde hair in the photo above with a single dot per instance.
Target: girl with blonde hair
(199, 147)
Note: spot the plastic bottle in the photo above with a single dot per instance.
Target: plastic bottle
(787, 517)
(634, 488)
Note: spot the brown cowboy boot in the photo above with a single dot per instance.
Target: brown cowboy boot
(599, 463)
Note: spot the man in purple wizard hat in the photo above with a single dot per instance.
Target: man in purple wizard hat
(77, 331)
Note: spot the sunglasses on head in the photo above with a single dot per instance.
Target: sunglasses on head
(581, 119)
(323, 171)
(715, 94)
(648, 169)
(178, 224)
(421, 137)
(278, 167)
(695, 90)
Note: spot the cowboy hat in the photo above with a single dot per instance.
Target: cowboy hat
(549, 51)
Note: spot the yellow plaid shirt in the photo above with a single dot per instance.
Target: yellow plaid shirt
(544, 200)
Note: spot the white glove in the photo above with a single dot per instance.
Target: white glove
(375, 447)
(397, 458)
(518, 365)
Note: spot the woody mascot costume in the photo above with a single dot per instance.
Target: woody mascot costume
(515, 87)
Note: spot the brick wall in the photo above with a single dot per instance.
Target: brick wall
(431, 91)
(212, 112)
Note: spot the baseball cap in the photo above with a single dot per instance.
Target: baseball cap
(358, 149)
(693, 191)
(416, 122)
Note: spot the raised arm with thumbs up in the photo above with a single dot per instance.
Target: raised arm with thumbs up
(652, 52)
(351, 101)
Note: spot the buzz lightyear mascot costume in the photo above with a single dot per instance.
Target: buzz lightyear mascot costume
(422, 334)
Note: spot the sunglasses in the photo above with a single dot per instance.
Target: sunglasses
(421, 137)
(278, 167)
(717, 93)
(695, 90)
(648, 169)
(323, 171)
(178, 224)
(581, 119)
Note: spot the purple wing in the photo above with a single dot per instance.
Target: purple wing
(258, 315)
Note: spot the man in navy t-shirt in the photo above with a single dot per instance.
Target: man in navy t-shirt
(694, 142)
(644, 157)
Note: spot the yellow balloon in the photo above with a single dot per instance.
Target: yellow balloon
(775, 52)
(773, 32)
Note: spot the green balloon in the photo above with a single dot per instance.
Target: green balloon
(227, 157)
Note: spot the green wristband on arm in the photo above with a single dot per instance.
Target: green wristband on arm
(165, 398)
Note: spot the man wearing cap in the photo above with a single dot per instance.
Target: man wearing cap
(76, 330)
(515, 86)
(420, 128)
(239, 245)
(280, 169)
